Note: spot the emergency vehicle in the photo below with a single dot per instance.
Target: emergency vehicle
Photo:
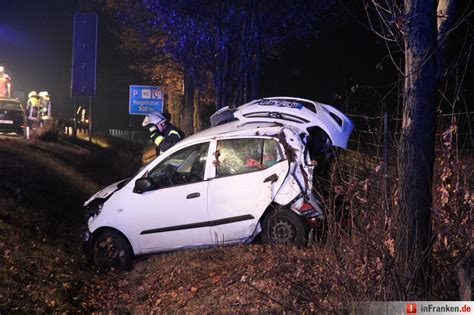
(5, 84)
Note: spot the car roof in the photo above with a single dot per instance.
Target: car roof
(234, 128)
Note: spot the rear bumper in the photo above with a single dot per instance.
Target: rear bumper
(14, 126)
(313, 218)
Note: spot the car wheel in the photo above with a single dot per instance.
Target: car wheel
(282, 226)
(112, 250)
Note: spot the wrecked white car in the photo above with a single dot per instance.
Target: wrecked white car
(223, 185)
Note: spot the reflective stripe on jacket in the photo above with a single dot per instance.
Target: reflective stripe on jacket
(163, 141)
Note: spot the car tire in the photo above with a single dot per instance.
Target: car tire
(111, 250)
(282, 226)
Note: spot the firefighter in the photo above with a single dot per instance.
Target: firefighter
(32, 106)
(45, 104)
(163, 134)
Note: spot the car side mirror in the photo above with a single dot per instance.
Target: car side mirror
(143, 184)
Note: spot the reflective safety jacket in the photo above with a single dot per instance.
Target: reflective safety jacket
(166, 139)
(32, 108)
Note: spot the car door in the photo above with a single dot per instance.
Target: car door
(174, 213)
(247, 174)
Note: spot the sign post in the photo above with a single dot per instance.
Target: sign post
(84, 61)
(144, 99)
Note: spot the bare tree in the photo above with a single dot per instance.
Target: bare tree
(416, 152)
(417, 32)
(225, 41)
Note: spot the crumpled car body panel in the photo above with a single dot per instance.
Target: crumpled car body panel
(104, 193)
(291, 111)
(247, 194)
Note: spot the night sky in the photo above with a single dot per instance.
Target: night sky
(36, 49)
(35, 44)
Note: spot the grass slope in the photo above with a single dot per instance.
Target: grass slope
(42, 189)
(44, 184)
(42, 268)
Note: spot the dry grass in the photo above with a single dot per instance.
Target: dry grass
(44, 184)
(42, 267)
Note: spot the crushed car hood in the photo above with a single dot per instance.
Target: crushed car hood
(105, 192)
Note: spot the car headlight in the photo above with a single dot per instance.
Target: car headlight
(94, 208)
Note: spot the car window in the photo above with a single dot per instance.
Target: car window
(239, 156)
(185, 166)
(271, 153)
(10, 105)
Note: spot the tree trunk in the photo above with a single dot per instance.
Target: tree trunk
(258, 53)
(245, 97)
(256, 74)
(416, 152)
(187, 110)
(226, 74)
(218, 87)
(445, 12)
(173, 107)
(197, 110)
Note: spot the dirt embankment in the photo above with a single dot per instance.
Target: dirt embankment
(42, 269)
(42, 188)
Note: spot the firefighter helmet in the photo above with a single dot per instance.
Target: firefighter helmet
(153, 118)
(44, 94)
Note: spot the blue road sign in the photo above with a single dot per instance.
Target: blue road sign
(145, 99)
(84, 51)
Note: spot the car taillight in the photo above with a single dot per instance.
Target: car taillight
(310, 213)
(305, 206)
